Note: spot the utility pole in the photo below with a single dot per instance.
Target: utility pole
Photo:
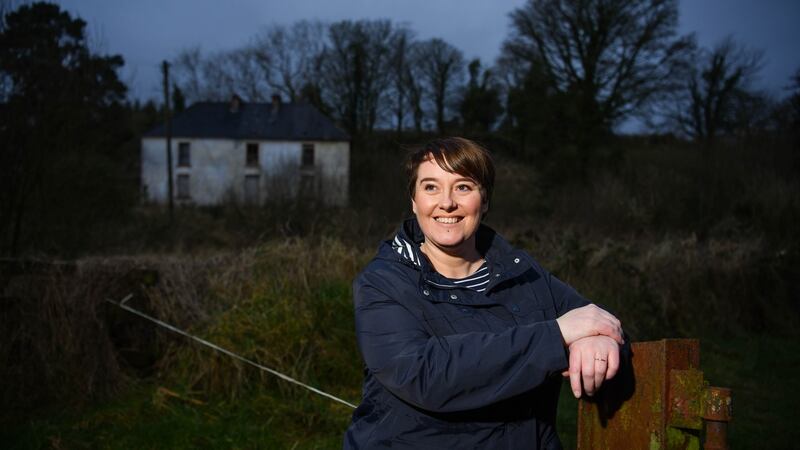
(168, 131)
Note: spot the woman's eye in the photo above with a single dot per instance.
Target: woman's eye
(464, 188)
(429, 187)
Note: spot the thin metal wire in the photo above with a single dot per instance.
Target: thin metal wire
(122, 305)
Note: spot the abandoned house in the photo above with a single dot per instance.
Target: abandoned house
(247, 153)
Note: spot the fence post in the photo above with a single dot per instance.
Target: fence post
(660, 401)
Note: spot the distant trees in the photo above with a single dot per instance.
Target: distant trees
(402, 87)
(795, 87)
(794, 99)
(363, 73)
(63, 120)
(604, 59)
(289, 56)
(215, 77)
(441, 66)
(187, 70)
(713, 96)
(569, 72)
(480, 104)
(355, 72)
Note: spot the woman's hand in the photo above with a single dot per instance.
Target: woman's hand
(592, 360)
(589, 320)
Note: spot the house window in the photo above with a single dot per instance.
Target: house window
(183, 186)
(251, 189)
(252, 154)
(308, 155)
(184, 156)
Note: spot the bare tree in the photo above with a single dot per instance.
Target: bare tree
(187, 71)
(290, 56)
(715, 94)
(247, 77)
(613, 56)
(480, 103)
(6, 83)
(794, 97)
(412, 79)
(355, 72)
(442, 70)
(400, 73)
(217, 76)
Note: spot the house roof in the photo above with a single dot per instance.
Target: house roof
(264, 121)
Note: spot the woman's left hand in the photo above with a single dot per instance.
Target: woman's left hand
(592, 360)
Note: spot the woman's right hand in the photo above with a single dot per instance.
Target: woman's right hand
(589, 320)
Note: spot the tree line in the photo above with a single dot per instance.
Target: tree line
(365, 74)
(569, 72)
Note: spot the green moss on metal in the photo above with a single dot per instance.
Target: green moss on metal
(680, 439)
(625, 416)
(656, 407)
(687, 393)
(655, 442)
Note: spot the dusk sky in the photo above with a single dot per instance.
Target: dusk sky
(145, 32)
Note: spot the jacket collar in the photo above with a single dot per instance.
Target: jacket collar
(501, 257)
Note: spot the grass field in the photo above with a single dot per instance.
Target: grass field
(761, 370)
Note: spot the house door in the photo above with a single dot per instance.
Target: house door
(251, 190)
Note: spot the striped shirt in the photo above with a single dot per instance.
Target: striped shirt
(477, 281)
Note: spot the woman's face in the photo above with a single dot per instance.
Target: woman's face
(448, 207)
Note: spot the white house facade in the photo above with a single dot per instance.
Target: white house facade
(248, 153)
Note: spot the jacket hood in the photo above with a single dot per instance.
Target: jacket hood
(405, 245)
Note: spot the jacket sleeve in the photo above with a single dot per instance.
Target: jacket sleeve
(455, 372)
(565, 296)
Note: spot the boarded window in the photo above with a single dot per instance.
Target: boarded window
(252, 154)
(308, 155)
(184, 155)
(251, 189)
(183, 186)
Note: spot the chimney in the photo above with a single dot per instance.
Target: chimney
(276, 105)
(235, 103)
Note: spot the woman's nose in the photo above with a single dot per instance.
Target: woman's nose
(446, 202)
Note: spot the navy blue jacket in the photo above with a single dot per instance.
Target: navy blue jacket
(451, 368)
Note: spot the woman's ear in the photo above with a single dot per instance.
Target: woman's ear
(413, 206)
(484, 207)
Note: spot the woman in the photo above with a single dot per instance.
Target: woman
(464, 337)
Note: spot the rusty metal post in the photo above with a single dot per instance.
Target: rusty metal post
(717, 414)
(661, 401)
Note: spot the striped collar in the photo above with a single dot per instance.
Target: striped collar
(476, 281)
(502, 259)
(408, 250)
(411, 252)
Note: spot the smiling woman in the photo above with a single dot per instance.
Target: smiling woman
(448, 207)
(464, 338)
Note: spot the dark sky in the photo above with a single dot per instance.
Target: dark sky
(145, 32)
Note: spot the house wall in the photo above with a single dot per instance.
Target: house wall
(333, 159)
(218, 169)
